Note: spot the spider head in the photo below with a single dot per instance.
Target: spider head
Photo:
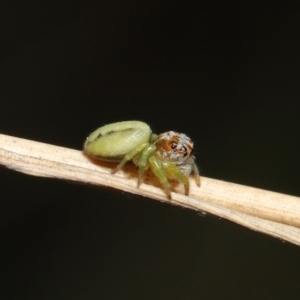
(174, 146)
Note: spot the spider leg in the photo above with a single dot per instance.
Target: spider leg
(196, 174)
(143, 161)
(156, 168)
(172, 171)
(129, 156)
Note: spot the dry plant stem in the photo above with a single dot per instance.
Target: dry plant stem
(268, 212)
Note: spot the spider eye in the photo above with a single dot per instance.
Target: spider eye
(173, 145)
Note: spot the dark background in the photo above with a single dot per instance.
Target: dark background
(224, 72)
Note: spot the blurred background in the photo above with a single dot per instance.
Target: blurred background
(224, 72)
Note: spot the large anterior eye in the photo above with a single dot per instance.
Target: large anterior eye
(184, 150)
(173, 145)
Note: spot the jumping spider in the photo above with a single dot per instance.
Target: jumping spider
(168, 155)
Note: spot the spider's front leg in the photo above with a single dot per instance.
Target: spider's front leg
(172, 171)
(190, 167)
(142, 161)
(158, 171)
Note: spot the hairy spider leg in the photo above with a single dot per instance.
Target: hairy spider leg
(190, 167)
(129, 156)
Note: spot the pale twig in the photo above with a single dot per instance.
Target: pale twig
(268, 212)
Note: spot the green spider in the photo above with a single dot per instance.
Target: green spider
(168, 155)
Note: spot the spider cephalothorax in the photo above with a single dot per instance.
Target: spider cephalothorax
(168, 155)
(174, 146)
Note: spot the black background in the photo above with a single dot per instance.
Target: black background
(224, 72)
